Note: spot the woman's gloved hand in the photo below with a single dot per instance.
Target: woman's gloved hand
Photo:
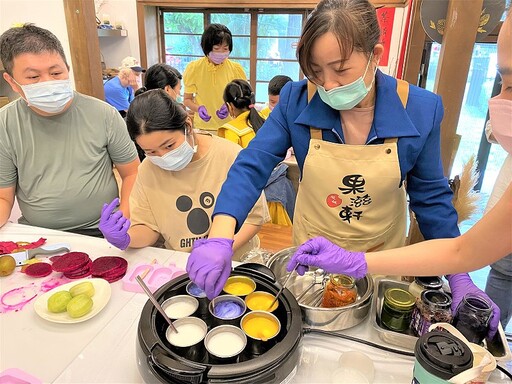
(460, 285)
(203, 113)
(223, 112)
(209, 264)
(114, 225)
(320, 252)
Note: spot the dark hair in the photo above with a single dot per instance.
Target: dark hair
(158, 76)
(240, 94)
(277, 83)
(353, 22)
(152, 111)
(216, 34)
(27, 39)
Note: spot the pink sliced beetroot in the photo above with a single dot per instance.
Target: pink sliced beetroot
(71, 261)
(38, 269)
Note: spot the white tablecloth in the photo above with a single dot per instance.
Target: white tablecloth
(102, 349)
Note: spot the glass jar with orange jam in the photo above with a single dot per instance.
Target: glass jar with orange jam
(339, 291)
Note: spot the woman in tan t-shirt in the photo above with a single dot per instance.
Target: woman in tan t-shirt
(178, 182)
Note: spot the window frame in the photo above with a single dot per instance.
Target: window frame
(253, 37)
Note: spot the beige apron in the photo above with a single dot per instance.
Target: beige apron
(351, 194)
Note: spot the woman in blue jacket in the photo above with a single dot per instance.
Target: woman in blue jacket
(361, 138)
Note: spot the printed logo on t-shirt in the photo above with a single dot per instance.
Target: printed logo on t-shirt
(198, 220)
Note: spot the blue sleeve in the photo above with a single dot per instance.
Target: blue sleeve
(428, 189)
(254, 164)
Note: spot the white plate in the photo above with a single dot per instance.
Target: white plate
(100, 299)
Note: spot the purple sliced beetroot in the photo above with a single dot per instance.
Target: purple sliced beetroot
(38, 269)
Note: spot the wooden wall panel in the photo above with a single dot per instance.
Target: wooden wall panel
(84, 47)
(451, 77)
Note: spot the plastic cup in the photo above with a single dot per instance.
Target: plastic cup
(357, 366)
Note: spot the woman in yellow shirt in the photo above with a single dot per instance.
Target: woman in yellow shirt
(239, 100)
(206, 78)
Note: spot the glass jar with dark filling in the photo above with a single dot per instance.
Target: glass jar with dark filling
(472, 317)
(425, 283)
(432, 307)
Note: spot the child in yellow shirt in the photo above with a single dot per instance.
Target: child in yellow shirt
(239, 98)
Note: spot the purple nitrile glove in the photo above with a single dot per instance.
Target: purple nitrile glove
(460, 285)
(223, 112)
(114, 225)
(209, 264)
(320, 252)
(203, 113)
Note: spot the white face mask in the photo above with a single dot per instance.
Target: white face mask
(347, 96)
(48, 96)
(177, 159)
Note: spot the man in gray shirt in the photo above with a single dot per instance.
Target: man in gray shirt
(57, 146)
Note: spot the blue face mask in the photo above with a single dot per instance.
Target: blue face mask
(178, 158)
(48, 96)
(346, 96)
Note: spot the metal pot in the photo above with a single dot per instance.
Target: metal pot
(309, 289)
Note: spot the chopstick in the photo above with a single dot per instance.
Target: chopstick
(155, 302)
(283, 286)
(145, 273)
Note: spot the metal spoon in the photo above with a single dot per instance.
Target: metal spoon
(155, 302)
(283, 287)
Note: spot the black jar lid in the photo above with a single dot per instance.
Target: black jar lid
(442, 354)
(429, 282)
(436, 299)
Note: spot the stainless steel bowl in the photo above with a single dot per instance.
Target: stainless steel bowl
(308, 290)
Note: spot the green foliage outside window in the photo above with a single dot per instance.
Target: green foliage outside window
(277, 35)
